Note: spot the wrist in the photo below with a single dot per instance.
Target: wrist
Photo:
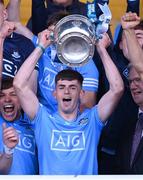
(128, 31)
(2, 37)
(8, 151)
(41, 47)
(128, 28)
(100, 49)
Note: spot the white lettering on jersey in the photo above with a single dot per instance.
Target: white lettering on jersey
(60, 141)
(67, 140)
(9, 68)
(48, 79)
(26, 143)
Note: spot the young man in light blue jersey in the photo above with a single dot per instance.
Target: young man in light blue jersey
(24, 155)
(67, 140)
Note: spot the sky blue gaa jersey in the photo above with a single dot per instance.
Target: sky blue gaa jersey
(25, 160)
(67, 148)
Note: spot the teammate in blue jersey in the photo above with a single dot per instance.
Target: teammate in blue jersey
(10, 140)
(24, 156)
(14, 48)
(67, 140)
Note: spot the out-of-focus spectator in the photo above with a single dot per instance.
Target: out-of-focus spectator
(125, 113)
(42, 12)
(130, 151)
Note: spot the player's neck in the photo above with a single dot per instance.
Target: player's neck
(70, 116)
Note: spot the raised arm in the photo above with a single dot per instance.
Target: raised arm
(23, 30)
(20, 29)
(13, 9)
(28, 99)
(10, 140)
(109, 100)
(129, 21)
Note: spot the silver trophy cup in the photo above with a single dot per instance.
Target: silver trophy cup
(75, 40)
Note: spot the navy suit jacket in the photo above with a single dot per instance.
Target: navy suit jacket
(124, 154)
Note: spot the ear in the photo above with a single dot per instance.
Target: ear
(55, 94)
(82, 92)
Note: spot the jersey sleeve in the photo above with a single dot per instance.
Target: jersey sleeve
(91, 76)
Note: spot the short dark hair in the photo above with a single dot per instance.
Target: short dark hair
(7, 83)
(69, 74)
(56, 17)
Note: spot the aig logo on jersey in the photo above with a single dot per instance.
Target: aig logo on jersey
(26, 143)
(67, 140)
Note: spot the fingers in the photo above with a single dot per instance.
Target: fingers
(45, 38)
(130, 20)
(9, 132)
(10, 136)
(130, 17)
(7, 28)
(105, 41)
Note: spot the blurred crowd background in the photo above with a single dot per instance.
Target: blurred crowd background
(118, 8)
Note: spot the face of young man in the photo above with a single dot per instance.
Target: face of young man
(68, 94)
(9, 104)
(136, 87)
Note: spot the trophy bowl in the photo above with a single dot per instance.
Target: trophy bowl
(75, 40)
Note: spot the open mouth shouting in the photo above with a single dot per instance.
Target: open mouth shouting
(67, 101)
(9, 112)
